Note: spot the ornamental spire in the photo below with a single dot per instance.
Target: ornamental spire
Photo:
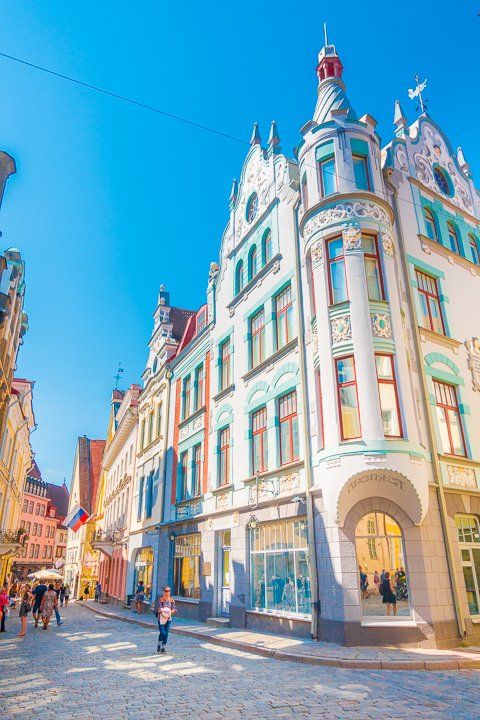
(274, 138)
(255, 139)
(399, 119)
(463, 163)
(233, 193)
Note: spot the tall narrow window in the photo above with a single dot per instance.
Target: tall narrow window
(387, 390)
(159, 425)
(328, 178)
(184, 475)
(304, 191)
(267, 247)
(348, 398)
(199, 386)
(449, 420)
(319, 396)
(225, 365)
(140, 498)
(361, 173)
(430, 303)
(336, 268)
(149, 498)
(151, 424)
(224, 461)
(239, 277)
(453, 238)
(469, 539)
(373, 270)
(187, 391)
(196, 469)
(430, 225)
(257, 330)
(259, 440)
(284, 317)
(142, 435)
(253, 262)
(288, 419)
(474, 251)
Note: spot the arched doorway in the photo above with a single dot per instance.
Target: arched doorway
(380, 556)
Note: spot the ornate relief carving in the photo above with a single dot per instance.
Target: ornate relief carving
(401, 158)
(387, 243)
(289, 483)
(192, 426)
(236, 519)
(256, 178)
(461, 476)
(341, 328)
(315, 341)
(473, 349)
(317, 252)
(352, 237)
(381, 325)
(433, 149)
(223, 500)
(344, 212)
(276, 266)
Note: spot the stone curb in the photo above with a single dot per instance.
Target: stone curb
(347, 663)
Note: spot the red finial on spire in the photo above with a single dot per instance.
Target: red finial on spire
(329, 64)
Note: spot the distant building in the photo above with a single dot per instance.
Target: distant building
(59, 499)
(81, 563)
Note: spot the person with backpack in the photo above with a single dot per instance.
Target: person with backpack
(165, 611)
(25, 608)
(387, 590)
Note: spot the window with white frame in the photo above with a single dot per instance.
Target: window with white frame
(469, 539)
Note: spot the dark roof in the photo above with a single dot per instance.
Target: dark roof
(59, 497)
(179, 319)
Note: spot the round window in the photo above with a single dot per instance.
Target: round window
(252, 207)
(442, 180)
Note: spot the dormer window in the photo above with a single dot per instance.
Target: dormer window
(252, 207)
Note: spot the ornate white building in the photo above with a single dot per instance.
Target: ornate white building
(324, 400)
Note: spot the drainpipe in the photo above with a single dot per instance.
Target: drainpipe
(310, 506)
(168, 377)
(430, 428)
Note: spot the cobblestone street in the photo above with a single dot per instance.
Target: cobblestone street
(94, 667)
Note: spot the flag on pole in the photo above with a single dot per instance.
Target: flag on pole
(77, 517)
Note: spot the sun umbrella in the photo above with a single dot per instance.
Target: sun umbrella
(46, 575)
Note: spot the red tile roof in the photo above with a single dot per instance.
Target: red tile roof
(59, 497)
(96, 453)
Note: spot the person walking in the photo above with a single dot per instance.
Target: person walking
(13, 594)
(62, 594)
(38, 593)
(98, 590)
(388, 594)
(48, 605)
(67, 594)
(363, 583)
(59, 620)
(139, 597)
(25, 608)
(165, 611)
(86, 592)
(376, 580)
(4, 603)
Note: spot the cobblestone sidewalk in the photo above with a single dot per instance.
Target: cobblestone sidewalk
(310, 651)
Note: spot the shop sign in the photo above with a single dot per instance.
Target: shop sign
(376, 477)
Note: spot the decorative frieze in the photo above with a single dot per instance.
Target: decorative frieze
(222, 500)
(381, 325)
(191, 427)
(316, 252)
(387, 243)
(341, 329)
(342, 212)
(461, 476)
(288, 483)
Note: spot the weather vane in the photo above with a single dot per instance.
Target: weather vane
(417, 93)
(117, 376)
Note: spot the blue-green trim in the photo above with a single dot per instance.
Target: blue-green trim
(225, 408)
(436, 357)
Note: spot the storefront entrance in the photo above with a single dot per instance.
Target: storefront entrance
(224, 540)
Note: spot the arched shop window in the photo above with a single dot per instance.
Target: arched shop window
(144, 571)
(379, 548)
(469, 539)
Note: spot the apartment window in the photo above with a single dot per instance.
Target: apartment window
(199, 386)
(25, 506)
(27, 528)
(42, 510)
(37, 549)
(469, 539)
(429, 303)
(186, 566)
(284, 317)
(187, 391)
(253, 262)
(44, 552)
(30, 507)
(453, 238)
(151, 424)
(39, 530)
(430, 225)
(474, 249)
(32, 549)
(267, 246)
(257, 330)
(336, 271)
(288, 419)
(373, 270)
(304, 191)
(225, 365)
(197, 469)
(449, 420)
(348, 398)
(224, 462)
(142, 435)
(328, 178)
(37, 509)
(361, 173)
(34, 530)
(184, 475)
(387, 390)
(239, 277)
(148, 499)
(259, 441)
(140, 498)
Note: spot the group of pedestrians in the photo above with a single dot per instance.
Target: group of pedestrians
(41, 600)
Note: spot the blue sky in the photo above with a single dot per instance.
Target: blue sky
(110, 200)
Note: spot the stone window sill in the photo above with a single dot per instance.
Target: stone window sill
(387, 622)
(223, 393)
(444, 340)
(280, 614)
(272, 359)
(192, 416)
(222, 488)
